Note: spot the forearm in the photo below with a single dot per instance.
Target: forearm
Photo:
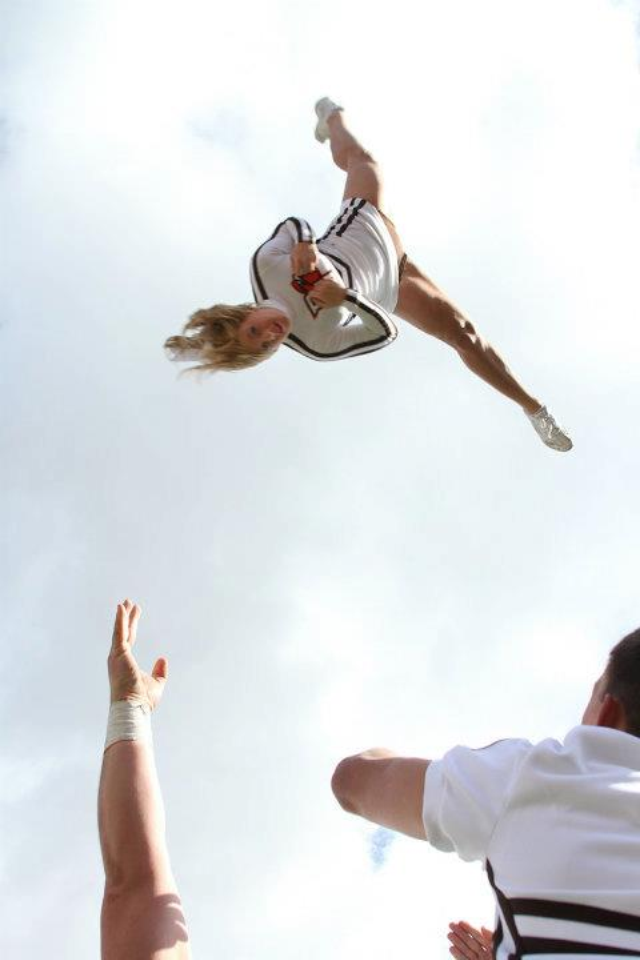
(374, 317)
(131, 817)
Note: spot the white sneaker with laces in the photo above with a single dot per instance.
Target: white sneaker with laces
(324, 108)
(549, 431)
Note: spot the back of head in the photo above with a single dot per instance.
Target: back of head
(623, 679)
(210, 338)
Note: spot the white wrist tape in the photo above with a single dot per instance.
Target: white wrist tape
(128, 721)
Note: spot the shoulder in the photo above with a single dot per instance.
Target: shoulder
(479, 766)
(466, 792)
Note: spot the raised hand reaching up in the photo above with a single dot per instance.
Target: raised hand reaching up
(127, 680)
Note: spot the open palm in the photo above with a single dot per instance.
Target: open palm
(128, 681)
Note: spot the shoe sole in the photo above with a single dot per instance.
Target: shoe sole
(321, 132)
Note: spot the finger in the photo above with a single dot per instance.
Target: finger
(458, 939)
(118, 640)
(472, 942)
(466, 944)
(160, 670)
(134, 616)
(470, 931)
(460, 950)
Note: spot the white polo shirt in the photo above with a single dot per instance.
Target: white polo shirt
(558, 826)
(358, 250)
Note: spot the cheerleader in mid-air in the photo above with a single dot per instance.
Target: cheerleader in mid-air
(332, 298)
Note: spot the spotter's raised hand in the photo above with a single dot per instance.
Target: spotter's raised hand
(127, 680)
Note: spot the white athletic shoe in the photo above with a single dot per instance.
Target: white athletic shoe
(549, 431)
(324, 108)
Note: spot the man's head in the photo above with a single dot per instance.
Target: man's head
(225, 337)
(615, 699)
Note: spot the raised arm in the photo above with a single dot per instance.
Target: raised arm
(142, 916)
(383, 788)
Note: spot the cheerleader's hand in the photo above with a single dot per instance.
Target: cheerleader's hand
(328, 293)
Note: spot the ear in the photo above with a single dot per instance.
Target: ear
(611, 714)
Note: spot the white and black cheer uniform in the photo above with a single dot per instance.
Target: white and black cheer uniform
(358, 250)
(558, 828)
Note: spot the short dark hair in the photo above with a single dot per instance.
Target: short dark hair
(622, 678)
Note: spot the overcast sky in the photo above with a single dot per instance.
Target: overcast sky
(332, 556)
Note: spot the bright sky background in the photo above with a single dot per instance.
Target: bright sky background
(332, 556)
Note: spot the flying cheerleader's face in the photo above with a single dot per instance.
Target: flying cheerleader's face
(263, 329)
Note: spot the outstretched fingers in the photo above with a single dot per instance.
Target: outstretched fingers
(125, 626)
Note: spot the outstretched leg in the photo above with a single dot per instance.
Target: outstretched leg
(420, 301)
(363, 172)
(424, 305)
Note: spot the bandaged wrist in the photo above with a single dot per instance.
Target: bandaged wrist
(128, 720)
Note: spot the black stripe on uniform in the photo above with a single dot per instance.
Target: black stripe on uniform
(498, 937)
(371, 344)
(541, 945)
(576, 912)
(368, 307)
(561, 911)
(254, 265)
(338, 220)
(354, 214)
(303, 230)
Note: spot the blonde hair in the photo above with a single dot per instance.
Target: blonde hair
(213, 341)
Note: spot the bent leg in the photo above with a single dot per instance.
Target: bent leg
(426, 307)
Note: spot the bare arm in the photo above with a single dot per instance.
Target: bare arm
(383, 788)
(142, 916)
